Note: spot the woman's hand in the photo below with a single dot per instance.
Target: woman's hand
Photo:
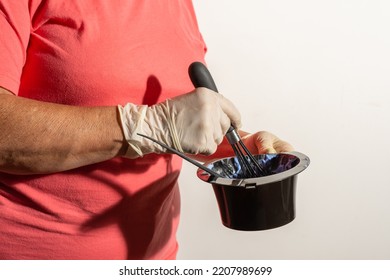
(194, 123)
(264, 142)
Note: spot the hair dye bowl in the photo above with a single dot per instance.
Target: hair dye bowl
(256, 203)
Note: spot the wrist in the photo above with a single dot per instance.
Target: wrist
(131, 119)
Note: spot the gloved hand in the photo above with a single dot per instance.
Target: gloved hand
(261, 142)
(264, 142)
(193, 123)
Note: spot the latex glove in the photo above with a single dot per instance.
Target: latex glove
(193, 123)
(264, 142)
(261, 142)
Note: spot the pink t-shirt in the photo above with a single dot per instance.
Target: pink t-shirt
(93, 53)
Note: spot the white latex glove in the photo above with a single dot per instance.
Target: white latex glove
(264, 142)
(193, 123)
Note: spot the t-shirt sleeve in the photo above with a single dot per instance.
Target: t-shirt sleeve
(15, 25)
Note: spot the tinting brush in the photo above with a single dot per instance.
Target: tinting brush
(201, 77)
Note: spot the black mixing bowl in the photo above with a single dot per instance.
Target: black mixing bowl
(256, 203)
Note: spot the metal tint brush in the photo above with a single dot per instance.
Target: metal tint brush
(182, 155)
(201, 77)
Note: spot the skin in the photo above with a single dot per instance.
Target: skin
(40, 137)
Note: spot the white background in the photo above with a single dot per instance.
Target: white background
(316, 73)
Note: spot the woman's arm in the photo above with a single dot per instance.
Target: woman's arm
(39, 137)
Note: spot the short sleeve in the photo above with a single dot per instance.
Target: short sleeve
(15, 28)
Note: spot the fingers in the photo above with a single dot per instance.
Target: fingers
(230, 110)
(264, 142)
(228, 116)
(269, 143)
(282, 146)
(225, 104)
(225, 125)
(216, 114)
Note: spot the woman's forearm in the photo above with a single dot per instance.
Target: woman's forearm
(39, 137)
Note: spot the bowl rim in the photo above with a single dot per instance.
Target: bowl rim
(304, 162)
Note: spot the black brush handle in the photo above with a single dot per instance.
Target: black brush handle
(201, 77)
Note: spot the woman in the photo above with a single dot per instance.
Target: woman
(76, 181)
